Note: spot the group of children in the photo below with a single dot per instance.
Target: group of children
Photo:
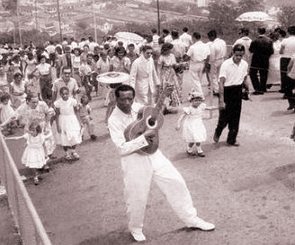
(70, 120)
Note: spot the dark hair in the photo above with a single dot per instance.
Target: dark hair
(15, 75)
(261, 30)
(130, 45)
(83, 98)
(291, 30)
(62, 89)
(120, 49)
(65, 68)
(123, 88)
(35, 125)
(154, 30)
(4, 97)
(212, 34)
(197, 35)
(238, 47)
(166, 47)
(174, 34)
(244, 31)
(31, 96)
(185, 29)
(166, 31)
(146, 47)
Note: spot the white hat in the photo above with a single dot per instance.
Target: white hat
(195, 94)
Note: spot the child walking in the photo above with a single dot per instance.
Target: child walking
(85, 116)
(34, 154)
(67, 124)
(193, 129)
(111, 100)
(6, 112)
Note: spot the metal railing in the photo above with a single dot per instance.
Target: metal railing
(23, 211)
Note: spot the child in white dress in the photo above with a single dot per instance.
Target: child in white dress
(67, 124)
(34, 154)
(193, 128)
(6, 112)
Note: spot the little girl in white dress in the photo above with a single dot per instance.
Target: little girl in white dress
(193, 128)
(34, 153)
(67, 124)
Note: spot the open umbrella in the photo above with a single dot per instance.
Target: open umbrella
(128, 37)
(254, 16)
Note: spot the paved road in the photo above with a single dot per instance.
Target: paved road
(248, 192)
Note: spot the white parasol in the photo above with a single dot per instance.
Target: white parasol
(129, 37)
(254, 16)
(113, 77)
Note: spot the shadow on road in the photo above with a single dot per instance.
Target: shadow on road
(118, 237)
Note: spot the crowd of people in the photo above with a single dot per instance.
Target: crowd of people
(47, 91)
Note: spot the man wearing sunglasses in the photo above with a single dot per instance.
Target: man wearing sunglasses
(144, 78)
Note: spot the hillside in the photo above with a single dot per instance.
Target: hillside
(278, 3)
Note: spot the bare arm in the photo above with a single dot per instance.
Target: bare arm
(180, 121)
(221, 93)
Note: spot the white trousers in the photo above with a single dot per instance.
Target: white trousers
(139, 170)
(214, 77)
(196, 73)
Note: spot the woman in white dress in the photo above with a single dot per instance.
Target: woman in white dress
(274, 76)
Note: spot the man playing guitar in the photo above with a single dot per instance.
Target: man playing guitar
(139, 169)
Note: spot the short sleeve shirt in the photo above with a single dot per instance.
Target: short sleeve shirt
(72, 85)
(234, 74)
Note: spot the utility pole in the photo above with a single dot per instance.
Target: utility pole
(36, 15)
(18, 24)
(158, 14)
(59, 21)
(94, 22)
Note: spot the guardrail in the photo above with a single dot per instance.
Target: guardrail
(23, 211)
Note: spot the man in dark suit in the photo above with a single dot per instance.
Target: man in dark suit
(262, 49)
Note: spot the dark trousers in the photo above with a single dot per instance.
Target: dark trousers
(230, 115)
(46, 87)
(259, 84)
(284, 62)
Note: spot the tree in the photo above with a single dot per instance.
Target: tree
(287, 16)
(222, 14)
(249, 5)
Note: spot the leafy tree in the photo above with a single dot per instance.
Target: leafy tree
(222, 14)
(287, 16)
(249, 5)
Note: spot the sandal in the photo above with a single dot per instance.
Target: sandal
(68, 157)
(75, 155)
(36, 180)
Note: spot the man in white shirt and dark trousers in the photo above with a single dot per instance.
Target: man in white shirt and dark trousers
(140, 169)
(232, 78)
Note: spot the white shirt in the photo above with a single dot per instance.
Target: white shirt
(178, 48)
(117, 123)
(186, 39)
(44, 69)
(156, 45)
(92, 45)
(233, 73)
(289, 46)
(198, 52)
(168, 39)
(217, 51)
(50, 49)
